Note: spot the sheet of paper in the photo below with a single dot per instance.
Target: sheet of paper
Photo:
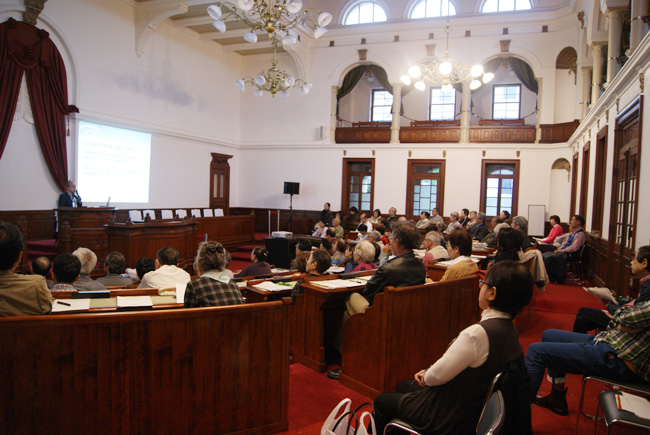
(636, 404)
(278, 270)
(601, 292)
(62, 305)
(271, 286)
(336, 269)
(419, 253)
(364, 278)
(448, 263)
(134, 301)
(336, 283)
(180, 293)
(242, 284)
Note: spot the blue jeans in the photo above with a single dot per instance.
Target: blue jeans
(564, 352)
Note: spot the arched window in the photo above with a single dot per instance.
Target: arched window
(365, 12)
(505, 5)
(432, 8)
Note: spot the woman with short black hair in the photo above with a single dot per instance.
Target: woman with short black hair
(259, 266)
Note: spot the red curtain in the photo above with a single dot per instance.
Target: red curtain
(24, 47)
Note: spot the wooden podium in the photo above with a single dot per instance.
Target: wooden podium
(85, 217)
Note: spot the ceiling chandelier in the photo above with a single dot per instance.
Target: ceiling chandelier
(278, 18)
(447, 72)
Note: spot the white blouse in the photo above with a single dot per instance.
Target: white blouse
(469, 349)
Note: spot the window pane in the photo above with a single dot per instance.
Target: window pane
(353, 16)
(382, 105)
(491, 211)
(366, 13)
(419, 10)
(492, 183)
(379, 14)
(522, 5)
(491, 6)
(443, 104)
(491, 202)
(506, 5)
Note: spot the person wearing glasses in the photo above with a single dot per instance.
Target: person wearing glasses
(448, 396)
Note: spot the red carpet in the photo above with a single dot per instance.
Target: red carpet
(312, 395)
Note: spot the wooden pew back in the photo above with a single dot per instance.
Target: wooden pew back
(202, 370)
(405, 330)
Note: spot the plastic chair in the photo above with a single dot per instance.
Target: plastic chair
(612, 415)
(207, 212)
(643, 388)
(181, 213)
(167, 214)
(135, 215)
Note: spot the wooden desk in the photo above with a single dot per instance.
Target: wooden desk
(255, 295)
(153, 292)
(145, 239)
(316, 318)
(209, 370)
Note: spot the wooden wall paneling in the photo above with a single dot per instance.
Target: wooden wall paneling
(175, 371)
(362, 135)
(554, 133)
(40, 224)
(503, 134)
(231, 231)
(429, 134)
(407, 316)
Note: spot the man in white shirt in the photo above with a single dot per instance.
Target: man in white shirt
(435, 217)
(167, 273)
(365, 221)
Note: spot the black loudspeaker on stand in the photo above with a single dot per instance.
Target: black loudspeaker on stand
(291, 189)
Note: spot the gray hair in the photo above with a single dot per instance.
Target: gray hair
(521, 222)
(480, 216)
(433, 237)
(365, 250)
(87, 258)
(441, 226)
(454, 214)
(376, 235)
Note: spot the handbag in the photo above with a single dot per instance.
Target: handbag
(339, 422)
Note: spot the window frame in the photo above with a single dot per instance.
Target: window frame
(574, 185)
(584, 180)
(372, 105)
(510, 10)
(505, 85)
(598, 203)
(345, 193)
(417, 2)
(357, 4)
(410, 180)
(515, 185)
(431, 89)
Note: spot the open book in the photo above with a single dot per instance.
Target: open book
(601, 292)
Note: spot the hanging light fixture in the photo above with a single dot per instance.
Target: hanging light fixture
(446, 72)
(277, 18)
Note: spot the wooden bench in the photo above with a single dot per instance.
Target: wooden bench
(202, 370)
(405, 330)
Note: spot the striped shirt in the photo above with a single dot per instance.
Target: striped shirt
(631, 347)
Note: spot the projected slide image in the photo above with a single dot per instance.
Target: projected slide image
(113, 162)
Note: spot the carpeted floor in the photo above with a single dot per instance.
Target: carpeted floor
(312, 395)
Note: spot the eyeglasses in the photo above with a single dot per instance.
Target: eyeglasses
(482, 281)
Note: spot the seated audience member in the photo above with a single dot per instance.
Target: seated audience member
(556, 261)
(463, 219)
(433, 249)
(114, 265)
(374, 237)
(330, 235)
(441, 228)
(479, 230)
(66, 270)
(472, 220)
(364, 254)
(491, 238)
(353, 218)
(556, 230)
(339, 232)
(20, 295)
(505, 215)
(212, 287)
(259, 266)
(448, 397)
(88, 262)
(317, 264)
(349, 263)
(376, 217)
(459, 246)
(453, 223)
(363, 231)
(403, 270)
(320, 230)
(143, 266)
(521, 223)
(326, 245)
(436, 218)
(167, 273)
(621, 353)
(303, 249)
(508, 245)
(424, 220)
(326, 215)
(385, 233)
(589, 319)
(338, 258)
(43, 266)
(365, 221)
(392, 216)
